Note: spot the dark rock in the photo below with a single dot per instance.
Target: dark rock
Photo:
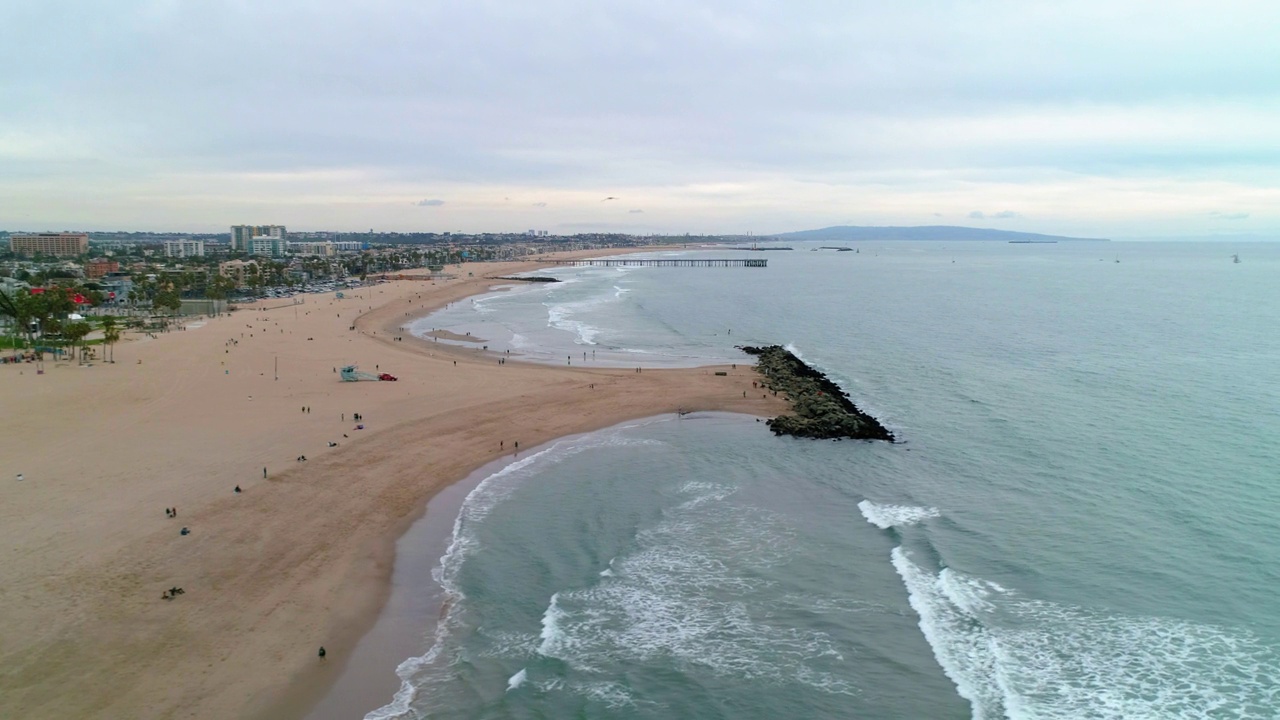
(820, 408)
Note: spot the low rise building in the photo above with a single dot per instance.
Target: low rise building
(100, 267)
(239, 271)
(116, 286)
(322, 249)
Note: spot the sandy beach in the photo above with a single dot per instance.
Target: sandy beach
(300, 558)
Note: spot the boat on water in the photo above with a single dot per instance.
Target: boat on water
(1235, 259)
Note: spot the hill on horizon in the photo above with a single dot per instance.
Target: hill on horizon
(921, 232)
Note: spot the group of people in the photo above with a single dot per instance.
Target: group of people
(172, 593)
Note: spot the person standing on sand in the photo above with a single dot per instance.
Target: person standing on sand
(322, 652)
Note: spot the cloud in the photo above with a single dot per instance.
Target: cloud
(429, 203)
(1002, 215)
(1099, 119)
(633, 212)
(977, 215)
(1230, 216)
(539, 204)
(1006, 215)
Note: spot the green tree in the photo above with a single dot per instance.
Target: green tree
(167, 299)
(75, 332)
(110, 335)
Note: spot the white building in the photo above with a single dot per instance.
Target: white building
(243, 235)
(269, 245)
(184, 248)
(323, 249)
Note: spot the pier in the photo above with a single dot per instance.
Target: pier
(675, 262)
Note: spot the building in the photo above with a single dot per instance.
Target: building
(238, 270)
(116, 286)
(323, 249)
(243, 235)
(101, 266)
(349, 246)
(269, 245)
(184, 248)
(56, 244)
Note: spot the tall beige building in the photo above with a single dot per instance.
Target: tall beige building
(243, 235)
(56, 244)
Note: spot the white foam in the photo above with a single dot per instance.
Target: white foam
(517, 680)
(885, 516)
(551, 634)
(475, 507)
(558, 316)
(692, 593)
(1018, 658)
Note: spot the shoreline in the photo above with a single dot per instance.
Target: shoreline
(304, 557)
(406, 625)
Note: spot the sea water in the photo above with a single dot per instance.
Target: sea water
(1081, 520)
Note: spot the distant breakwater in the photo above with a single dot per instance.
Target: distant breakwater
(530, 278)
(820, 409)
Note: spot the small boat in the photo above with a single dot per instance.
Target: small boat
(1235, 259)
(1117, 258)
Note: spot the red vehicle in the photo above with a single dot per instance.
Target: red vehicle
(387, 376)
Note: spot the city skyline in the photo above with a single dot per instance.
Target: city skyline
(1101, 119)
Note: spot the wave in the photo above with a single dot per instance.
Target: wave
(885, 516)
(1019, 658)
(558, 317)
(464, 542)
(691, 593)
(517, 680)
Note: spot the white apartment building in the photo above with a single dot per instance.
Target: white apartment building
(243, 235)
(184, 248)
(269, 245)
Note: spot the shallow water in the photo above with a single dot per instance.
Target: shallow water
(1080, 522)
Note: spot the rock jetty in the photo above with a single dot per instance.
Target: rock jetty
(527, 278)
(820, 408)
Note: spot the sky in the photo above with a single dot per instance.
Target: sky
(1097, 118)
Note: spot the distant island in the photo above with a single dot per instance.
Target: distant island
(923, 232)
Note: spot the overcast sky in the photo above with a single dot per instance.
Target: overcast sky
(1112, 118)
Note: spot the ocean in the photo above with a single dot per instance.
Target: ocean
(1081, 519)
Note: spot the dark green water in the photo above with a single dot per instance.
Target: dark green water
(1082, 522)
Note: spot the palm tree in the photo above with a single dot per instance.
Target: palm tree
(110, 335)
(75, 332)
